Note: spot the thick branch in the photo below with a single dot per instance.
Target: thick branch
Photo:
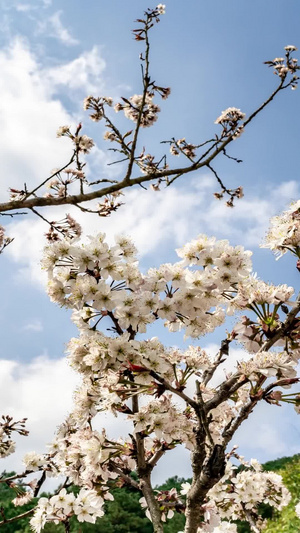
(129, 480)
(230, 430)
(170, 388)
(127, 181)
(144, 473)
(156, 457)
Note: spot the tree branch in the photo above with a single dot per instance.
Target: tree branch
(18, 517)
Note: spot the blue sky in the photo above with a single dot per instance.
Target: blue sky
(211, 53)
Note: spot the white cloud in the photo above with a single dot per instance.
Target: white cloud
(84, 73)
(269, 433)
(30, 117)
(24, 7)
(34, 325)
(58, 31)
(53, 27)
(30, 114)
(42, 392)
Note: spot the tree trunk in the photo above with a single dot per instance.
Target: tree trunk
(193, 513)
(206, 474)
(152, 503)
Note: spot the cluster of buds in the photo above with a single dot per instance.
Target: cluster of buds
(182, 147)
(59, 186)
(83, 143)
(4, 241)
(148, 165)
(67, 228)
(284, 66)
(17, 194)
(151, 16)
(234, 193)
(7, 426)
(97, 105)
(109, 204)
(22, 496)
(164, 92)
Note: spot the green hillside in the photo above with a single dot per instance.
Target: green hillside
(287, 521)
(124, 514)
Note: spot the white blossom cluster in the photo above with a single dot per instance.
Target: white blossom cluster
(95, 279)
(140, 107)
(231, 116)
(86, 506)
(229, 120)
(270, 364)
(2, 233)
(256, 291)
(165, 421)
(284, 231)
(34, 461)
(286, 65)
(5, 241)
(239, 492)
(99, 282)
(84, 455)
(161, 8)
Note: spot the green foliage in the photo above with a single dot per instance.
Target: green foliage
(279, 464)
(173, 482)
(286, 521)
